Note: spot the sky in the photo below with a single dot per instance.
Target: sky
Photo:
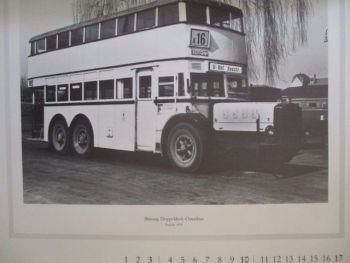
(313, 57)
(39, 16)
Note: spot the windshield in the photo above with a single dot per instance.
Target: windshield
(213, 85)
(207, 85)
(237, 88)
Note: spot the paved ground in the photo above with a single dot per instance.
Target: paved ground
(112, 177)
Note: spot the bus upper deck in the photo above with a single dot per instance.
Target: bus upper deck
(162, 30)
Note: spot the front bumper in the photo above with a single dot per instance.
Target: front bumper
(266, 147)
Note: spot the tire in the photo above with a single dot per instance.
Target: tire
(82, 138)
(59, 137)
(186, 147)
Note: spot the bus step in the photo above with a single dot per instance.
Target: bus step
(35, 139)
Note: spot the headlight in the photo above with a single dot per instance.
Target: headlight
(269, 130)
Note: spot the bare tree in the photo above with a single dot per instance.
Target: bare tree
(274, 28)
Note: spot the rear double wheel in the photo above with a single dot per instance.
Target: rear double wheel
(186, 147)
(82, 138)
(59, 137)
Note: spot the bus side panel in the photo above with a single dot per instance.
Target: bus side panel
(116, 127)
(113, 125)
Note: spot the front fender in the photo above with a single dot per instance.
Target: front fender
(196, 119)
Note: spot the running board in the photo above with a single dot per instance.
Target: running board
(35, 139)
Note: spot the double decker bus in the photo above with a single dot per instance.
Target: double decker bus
(169, 77)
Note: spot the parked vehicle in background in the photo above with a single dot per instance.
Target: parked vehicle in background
(311, 94)
(263, 93)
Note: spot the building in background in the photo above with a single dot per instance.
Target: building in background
(311, 94)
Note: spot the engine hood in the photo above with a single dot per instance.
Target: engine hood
(243, 116)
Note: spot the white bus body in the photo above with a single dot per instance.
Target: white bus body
(169, 89)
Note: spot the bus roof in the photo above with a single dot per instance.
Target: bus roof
(153, 4)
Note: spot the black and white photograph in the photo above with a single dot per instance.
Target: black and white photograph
(174, 102)
(174, 131)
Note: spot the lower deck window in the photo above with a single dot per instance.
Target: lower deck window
(166, 87)
(75, 92)
(106, 89)
(181, 84)
(145, 88)
(50, 93)
(62, 93)
(38, 95)
(312, 105)
(90, 90)
(124, 87)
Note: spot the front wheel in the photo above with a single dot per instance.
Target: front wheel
(82, 138)
(186, 147)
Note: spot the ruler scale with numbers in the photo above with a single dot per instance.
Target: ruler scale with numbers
(325, 258)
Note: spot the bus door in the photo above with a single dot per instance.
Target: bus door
(146, 111)
(38, 112)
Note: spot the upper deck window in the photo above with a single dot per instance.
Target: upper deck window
(63, 39)
(108, 29)
(237, 24)
(32, 48)
(146, 19)
(219, 17)
(223, 18)
(91, 33)
(168, 14)
(125, 24)
(196, 13)
(77, 36)
(40, 46)
(51, 43)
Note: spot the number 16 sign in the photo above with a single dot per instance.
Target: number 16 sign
(200, 38)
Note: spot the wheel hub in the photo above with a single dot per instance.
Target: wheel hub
(81, 139)
(59, 137)
(184, 148)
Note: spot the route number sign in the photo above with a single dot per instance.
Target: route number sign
(200, 38)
